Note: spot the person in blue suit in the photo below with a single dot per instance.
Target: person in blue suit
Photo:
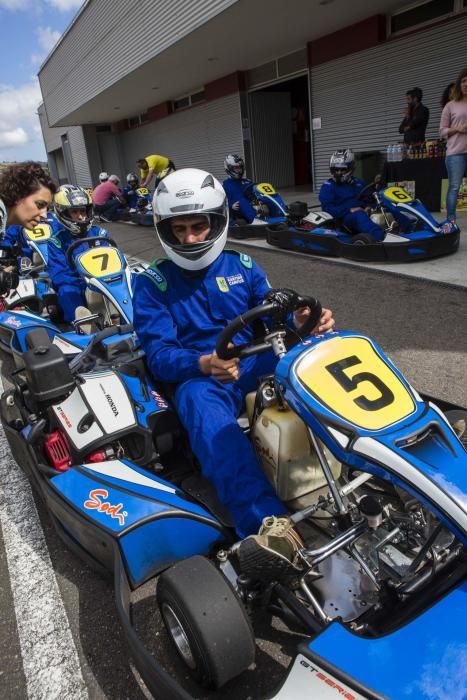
(238, 189)
(181, 304)
(73, 211)
(129, 191)
(339, 196)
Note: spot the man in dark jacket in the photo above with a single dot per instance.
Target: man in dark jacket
(413, 125)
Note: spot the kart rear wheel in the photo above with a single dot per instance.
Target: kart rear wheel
(363, 239)
(7, 367)
(206, 621)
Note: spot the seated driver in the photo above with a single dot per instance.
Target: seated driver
(181, 304)
(339, 197)
(73, 211)
(237, 189)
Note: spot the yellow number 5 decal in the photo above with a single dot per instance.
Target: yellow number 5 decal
(99, 262)
(352, 380)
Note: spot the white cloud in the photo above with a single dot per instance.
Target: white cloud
(19, 123)
(65, 5)
(15, 137)
(47, 38)
(14, 4)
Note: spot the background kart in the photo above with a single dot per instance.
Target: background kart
(372, 440)
(142, 214)
(273, 213)
(430, 238)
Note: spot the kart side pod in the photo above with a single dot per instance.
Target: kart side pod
(47, 374)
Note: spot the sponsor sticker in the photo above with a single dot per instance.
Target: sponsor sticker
(246, 260)
(158, 399)
(235, 279)
(96, 502)
(183, 194)
(12, 321)
(222, 284)
(156, 277)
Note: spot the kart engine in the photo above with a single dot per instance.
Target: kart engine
(368, 543)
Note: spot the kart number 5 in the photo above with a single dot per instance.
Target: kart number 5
(337, 370)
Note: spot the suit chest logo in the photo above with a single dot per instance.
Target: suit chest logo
(224, 283)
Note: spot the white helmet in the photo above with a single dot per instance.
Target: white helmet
(103, 177)
(131, 177)
(191, 192)
(3, 218)
(115, 179)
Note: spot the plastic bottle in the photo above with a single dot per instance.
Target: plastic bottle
(389, 154)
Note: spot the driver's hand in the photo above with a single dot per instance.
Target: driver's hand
(326, 322)
(236, 206)
(355, 209)
(225, 371)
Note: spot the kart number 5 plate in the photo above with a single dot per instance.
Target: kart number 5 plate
(354, 382)
(265, 188)
(38, 233)
(397, 194)
(100, 262)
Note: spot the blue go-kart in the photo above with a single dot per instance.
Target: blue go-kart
(318, 233)
(374, 477)
(272, 212)
(142, 213)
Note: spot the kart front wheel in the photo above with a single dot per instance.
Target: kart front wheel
(363, 239)
(206, 621)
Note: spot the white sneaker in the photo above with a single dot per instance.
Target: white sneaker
(81, 312)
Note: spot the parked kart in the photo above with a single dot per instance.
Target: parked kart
(142, 213)
(108, 294)
(272, 211)
(373, 475)
(320, 234)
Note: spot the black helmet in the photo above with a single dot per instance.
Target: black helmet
(234, 166)
(70, 197)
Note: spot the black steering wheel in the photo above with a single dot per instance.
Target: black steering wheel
(374, 186)
(277, 305)
(91, 241)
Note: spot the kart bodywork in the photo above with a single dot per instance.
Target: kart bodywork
(430, 239)
(99, 440)
(264, 194)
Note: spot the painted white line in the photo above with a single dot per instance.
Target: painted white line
(50, 659)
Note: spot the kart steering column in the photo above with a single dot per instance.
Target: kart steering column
(343, 514)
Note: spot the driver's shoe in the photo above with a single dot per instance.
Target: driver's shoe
(86, 328)
(272, 554)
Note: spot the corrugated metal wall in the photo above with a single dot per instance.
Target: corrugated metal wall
(199, 137)
(53, 138)
(80, 158)
(127, 34)
(361, 98)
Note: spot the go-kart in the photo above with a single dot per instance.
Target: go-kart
(33, 290)
(319, 234)
(108, 294)
(272, 211)
(142, 214)
(374, 477)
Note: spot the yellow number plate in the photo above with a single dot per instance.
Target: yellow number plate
(100, 262)
(349, 377)
(39, 233)
(265, 188)
(142, 190)
(397, 194)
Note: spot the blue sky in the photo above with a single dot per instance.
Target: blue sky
(28, 31)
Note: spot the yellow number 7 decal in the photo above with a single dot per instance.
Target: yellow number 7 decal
(99, 262)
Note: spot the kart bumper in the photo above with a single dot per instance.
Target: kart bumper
(337, 244)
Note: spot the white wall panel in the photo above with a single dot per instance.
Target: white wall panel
(199, 137)
(361, 98)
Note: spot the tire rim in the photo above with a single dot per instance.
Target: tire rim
(178, 634)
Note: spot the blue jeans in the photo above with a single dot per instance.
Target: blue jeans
(456, 165)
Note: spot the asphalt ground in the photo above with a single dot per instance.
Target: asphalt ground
(60, 636)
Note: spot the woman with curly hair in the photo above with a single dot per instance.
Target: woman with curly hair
(453, 127)
(26, 190)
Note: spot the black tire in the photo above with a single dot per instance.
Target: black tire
(206, 621)
(7, 367)
(363, 239)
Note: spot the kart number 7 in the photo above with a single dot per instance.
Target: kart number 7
(350, 378)
(100, 262)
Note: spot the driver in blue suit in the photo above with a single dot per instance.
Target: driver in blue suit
(181, 304)
(15, 238)
(237, 189)
(339, 197)
(73, 212)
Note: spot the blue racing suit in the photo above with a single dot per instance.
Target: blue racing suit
(237, 191)
(131, 196)
(15, 236)
(178, 316)
(338, 198)
(68, 284)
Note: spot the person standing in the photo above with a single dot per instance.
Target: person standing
(453, 127)
(414, 123)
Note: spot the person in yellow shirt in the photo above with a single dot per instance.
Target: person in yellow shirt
(154, 166)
